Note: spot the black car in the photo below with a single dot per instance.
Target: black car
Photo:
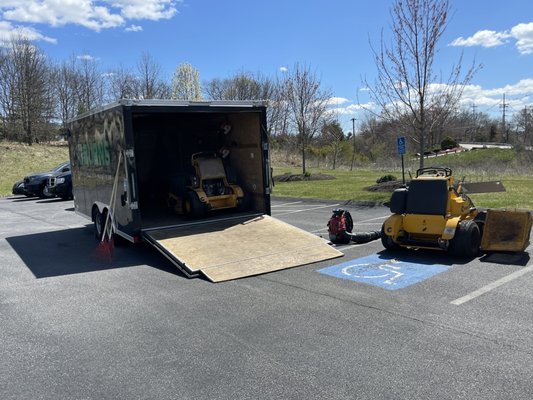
(60, 186)
(18, 188)
(35, 184)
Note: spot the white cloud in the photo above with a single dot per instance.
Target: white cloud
(92, 14)
(352, 109)
(337, 101)
(521, 33)
(87, 57)
(283, 69)
(7, 30)
(134, 28)
(483, 38)
(146, 9)
(524, 36)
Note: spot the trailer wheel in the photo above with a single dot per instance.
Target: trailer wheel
(466, 241)
(387, 241)
(193, 206)
(99, 223)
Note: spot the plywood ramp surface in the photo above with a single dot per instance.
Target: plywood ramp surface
(225, 250)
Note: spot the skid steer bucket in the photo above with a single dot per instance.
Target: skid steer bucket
(506, 230)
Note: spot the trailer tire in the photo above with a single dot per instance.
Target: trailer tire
(466, 241)
(99, 223)
(387, 241)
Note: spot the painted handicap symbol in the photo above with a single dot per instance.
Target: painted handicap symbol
(384, 271)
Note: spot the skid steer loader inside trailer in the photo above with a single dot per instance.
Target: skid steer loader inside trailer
(435, 212)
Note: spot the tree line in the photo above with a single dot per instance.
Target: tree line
(38, 96)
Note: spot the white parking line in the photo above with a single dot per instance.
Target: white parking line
(491, 286)
(286, 204)
(307, 209)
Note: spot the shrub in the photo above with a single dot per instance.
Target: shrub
(386, 178)
(448, 143)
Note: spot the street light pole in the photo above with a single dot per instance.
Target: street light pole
(353, 140)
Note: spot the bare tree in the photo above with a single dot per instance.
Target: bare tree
(186, 83)
(241, 86)
(524, 123)
(122, 84)
(64, 79)
(277, 110)
(333, 136)
(31, 102)
(307, 102)
(406, 88)
(151, 83)
(89, 84)
(8, 80)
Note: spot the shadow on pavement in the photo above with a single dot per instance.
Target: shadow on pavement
(519, 259)
(73, 251)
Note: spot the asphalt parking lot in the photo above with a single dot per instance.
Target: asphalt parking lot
(418, 326)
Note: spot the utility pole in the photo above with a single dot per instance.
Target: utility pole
(474, 119)
(504, 106)
(525, 124)
(353, 140)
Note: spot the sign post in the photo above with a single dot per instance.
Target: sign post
(401, 151)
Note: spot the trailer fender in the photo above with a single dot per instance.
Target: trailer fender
(101, 207)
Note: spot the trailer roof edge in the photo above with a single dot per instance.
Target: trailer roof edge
(174, 103)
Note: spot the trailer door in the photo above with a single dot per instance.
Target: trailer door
(229, 249)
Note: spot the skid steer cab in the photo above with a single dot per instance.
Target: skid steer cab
(433, 212)
(207, 189)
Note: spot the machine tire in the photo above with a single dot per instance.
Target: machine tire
(193, 206)
(99, 223)
(466, 241)
(387, 241)
(244, 202)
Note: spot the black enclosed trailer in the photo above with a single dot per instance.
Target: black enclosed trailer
(127, 157)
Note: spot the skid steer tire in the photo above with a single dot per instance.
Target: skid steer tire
(387, 241)
(194, 208)
(466, 241)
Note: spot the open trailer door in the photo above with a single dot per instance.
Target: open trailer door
(234, 248)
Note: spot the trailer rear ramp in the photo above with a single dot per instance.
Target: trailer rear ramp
(229, 249)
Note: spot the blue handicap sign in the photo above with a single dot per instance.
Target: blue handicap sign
(384, 271)
(401, 145)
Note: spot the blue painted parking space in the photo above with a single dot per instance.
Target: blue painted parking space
(385, 271)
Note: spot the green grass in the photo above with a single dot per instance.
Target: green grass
(18, 160)
(349, 186)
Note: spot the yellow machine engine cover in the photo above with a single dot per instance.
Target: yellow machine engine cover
(506, 230)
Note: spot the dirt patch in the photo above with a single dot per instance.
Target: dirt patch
(301, 177)
(389, 186)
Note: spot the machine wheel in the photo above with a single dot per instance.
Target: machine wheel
(193, 206)
(244, 202)
(466, 241)
(99, 223)
(387, 241)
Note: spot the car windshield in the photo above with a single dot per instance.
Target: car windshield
(61, 167)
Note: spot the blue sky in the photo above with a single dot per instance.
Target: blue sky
(221, 38)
